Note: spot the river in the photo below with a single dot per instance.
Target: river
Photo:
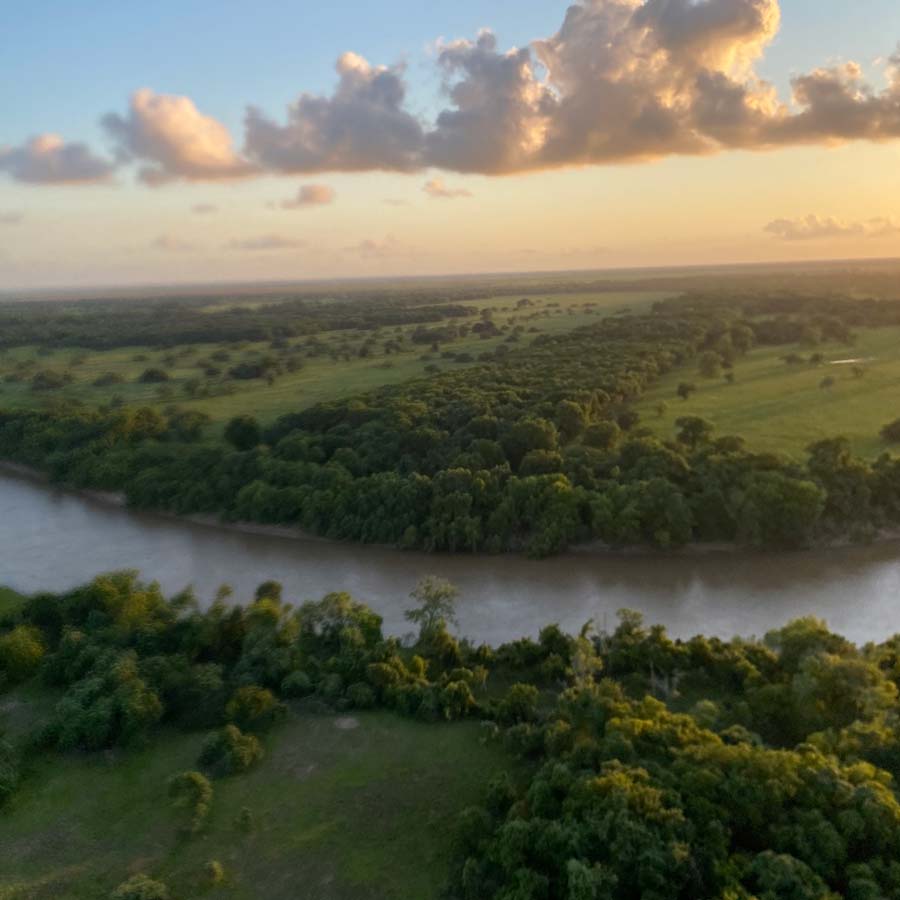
(52, 541)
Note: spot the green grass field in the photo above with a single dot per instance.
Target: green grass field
(322, 378)
(782, 408)
(338, 813)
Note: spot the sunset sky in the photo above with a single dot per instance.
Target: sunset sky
(195, 141)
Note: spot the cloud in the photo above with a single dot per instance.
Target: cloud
(813, 228)
(48, 159)
(266, 242)
(11, 218)
(395, 201)
(174, 140)
(171, 244)
(619, 81)
(436, 188)
(371, 248)
(361, 127)
(202, 209)
(310, 195)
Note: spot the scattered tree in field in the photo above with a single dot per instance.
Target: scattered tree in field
(692, 430)
(153, 376)
(254, 707)
(229, 751)
(710, 365)
(685, 389)
(827, 383)
(661, 409)
(891, 432)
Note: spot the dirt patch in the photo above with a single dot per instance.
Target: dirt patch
(346, 723)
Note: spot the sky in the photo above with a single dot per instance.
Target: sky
(197, 141)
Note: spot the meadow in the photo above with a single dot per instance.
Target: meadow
(330, 365)
(782, 407)
(340, 808)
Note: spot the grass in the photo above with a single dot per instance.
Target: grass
(782, 408)
(343, 814)
(320, 379)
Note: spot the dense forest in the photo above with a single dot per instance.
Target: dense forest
(647, 767)
(536, 447)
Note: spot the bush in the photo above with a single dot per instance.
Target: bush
(891, 432)
(297, 684)
(519, 704)
(140, 887)
(192, 792)
(229, 751)
(152, 376)
(254, 707)
(361, 695)
(21, 652)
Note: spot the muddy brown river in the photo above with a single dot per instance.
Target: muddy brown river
(51, 541)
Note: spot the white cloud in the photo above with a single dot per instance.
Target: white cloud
(174, 140)
(310, 195)
(48, 159)
(812, 228)
(436, 188)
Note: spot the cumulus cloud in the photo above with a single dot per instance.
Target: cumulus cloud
(172, 140)
(619, 81)
(11, 218)
(812, 227)
(48, 159)
(362, 126)
(170, 244)
(266, 242)
(203, 209)
(310, 195)
(436, 188)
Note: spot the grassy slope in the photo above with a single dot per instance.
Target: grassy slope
(782, 408)
(338, 815)
(321, 379)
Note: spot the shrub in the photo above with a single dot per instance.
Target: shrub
(254, 707)
(229, 751)
(891, 432)
(140, 887)
(192, 792)
(297, 684)
(21, 652)
(153, 376)
(361, 695)
(519, 704)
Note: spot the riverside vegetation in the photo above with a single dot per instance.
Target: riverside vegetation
(155, 751)
(540, 441)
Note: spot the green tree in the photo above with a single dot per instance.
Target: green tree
(436, 608)
(243, 432)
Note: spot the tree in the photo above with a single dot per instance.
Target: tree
(153, 376)
(685, 389)
(710, 365)
(693, 431)
(602, 435)
(229, 751)
(891, 432)
(243, 432)
(437, 606)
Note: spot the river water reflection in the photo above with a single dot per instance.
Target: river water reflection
(51, 541)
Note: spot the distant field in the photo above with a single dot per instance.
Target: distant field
(321, 377)
(782, 408)
(341, 813)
